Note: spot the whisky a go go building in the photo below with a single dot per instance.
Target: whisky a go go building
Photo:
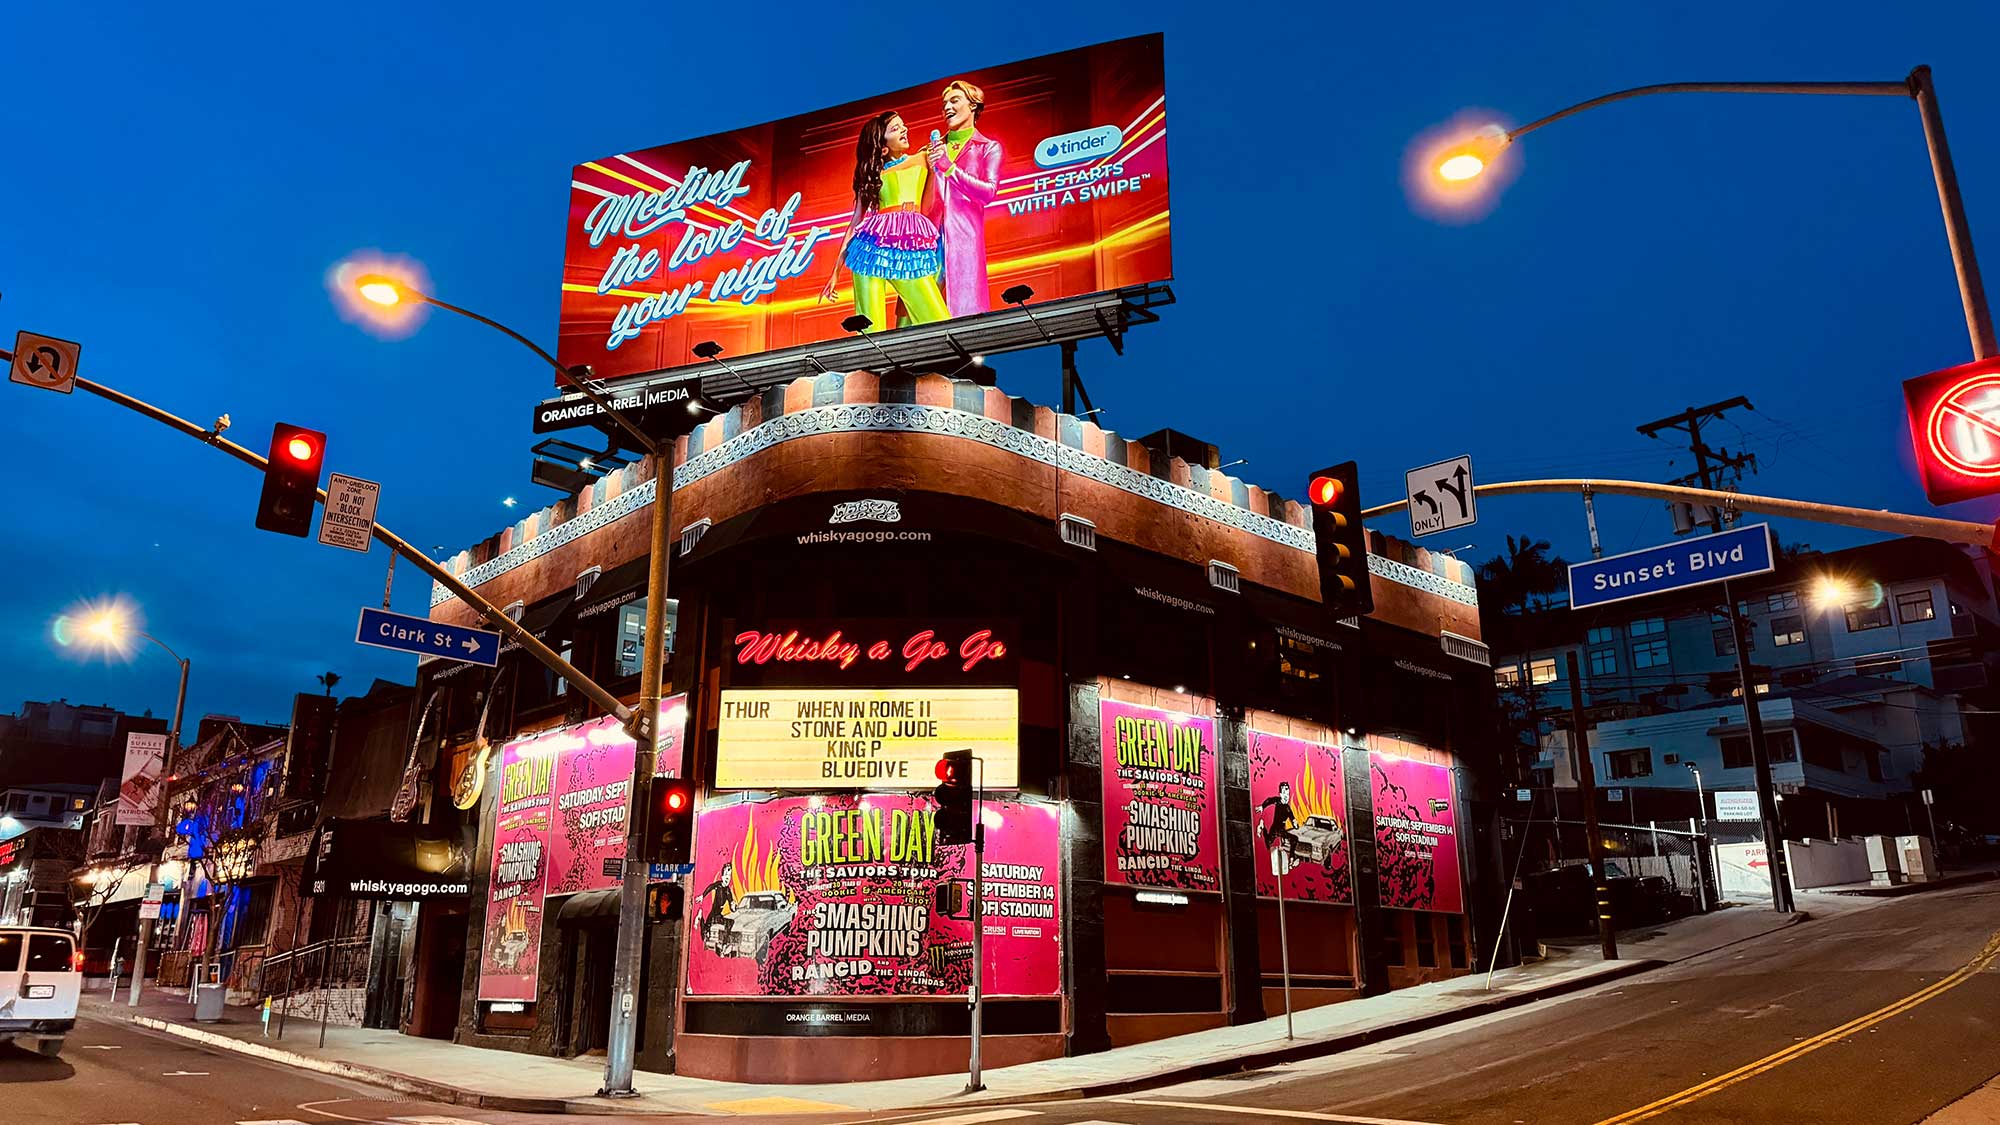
(879, 556)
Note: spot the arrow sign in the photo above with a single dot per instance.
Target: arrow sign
(1444, 490)
(45, 362)
(425, 637)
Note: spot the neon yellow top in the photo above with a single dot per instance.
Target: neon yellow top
(903, 183)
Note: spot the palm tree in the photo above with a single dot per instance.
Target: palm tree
(331, 678)
(1525, 575)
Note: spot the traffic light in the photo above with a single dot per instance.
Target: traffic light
(291, 480)
(954, 797)
(950, 899)
(665, 901)
(670, 827)
(1342, 541)
(1954, 419)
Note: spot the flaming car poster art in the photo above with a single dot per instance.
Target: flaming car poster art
(1298, 808)
(835, 896)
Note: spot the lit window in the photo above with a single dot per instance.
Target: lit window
(1648, 626)
(1628, 763)
(1543, 671)
(1651, 654)
(1915, 606)
(1509, 676)
(1861, 618)
(632, 626)
(1789, 629)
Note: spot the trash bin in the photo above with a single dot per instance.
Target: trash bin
(208, 1003)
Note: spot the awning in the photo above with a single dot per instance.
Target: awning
(621, 585)
(586, 905)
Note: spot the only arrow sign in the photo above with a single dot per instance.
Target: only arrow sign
(1425, 497)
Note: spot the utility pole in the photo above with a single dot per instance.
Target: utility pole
(1706, 461)
(1607, 933)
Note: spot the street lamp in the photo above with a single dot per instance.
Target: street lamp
(110, 627)
(388, 292)
(1458, 163)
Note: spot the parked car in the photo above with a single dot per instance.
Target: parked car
(41, 979)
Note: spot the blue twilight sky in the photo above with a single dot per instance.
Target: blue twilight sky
(181, 177)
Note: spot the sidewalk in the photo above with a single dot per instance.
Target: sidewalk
(492, 1079)
(1956, 877)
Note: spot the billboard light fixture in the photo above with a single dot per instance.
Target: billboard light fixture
(712, 352)
(859, 324)
(1019, 296)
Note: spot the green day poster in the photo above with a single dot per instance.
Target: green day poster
(1160, 798)
(1298, 811)
(836, 896)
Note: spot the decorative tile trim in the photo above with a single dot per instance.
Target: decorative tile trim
(910, 418)
(624, 504)
(1423, 580)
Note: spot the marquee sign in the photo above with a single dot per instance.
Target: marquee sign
(863, 738)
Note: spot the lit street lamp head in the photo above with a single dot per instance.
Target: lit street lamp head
(1462, 166)
(379, 289)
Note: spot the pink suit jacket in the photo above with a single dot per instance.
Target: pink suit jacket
(960, 214)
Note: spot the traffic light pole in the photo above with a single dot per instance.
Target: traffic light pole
(629, 953)
(1870, 519)
(978, 989)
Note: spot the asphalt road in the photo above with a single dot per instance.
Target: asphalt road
(1867, 1018)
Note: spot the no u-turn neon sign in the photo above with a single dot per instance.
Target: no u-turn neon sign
(1954, 419)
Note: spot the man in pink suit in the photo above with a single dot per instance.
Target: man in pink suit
(965, 166)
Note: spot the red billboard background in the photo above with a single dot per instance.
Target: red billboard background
(664, 244)
(834, 896)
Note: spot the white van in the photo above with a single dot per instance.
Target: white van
(40, 980)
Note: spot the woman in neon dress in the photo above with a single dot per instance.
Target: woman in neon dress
(890, 243)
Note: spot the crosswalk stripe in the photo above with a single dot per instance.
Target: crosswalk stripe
(978, 1118)
(434, 1119)
(274, 1121)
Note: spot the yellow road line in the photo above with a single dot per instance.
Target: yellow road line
(1986, 956)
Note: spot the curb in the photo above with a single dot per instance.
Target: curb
(1902, 889)
(1256, 1060)
(374, 1076)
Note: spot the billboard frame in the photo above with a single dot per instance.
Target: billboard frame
(947, 344)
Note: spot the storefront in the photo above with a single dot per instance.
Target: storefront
(871, 571)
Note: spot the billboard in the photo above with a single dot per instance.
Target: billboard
(1298, 810)
(1416, 835)
(863, 738)
(835, 896)
(1160, 799)
(564, 798)
(1050, 172)
(139, 784)
(510, 951)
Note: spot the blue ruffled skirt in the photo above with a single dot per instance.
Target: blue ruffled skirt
(896, 246)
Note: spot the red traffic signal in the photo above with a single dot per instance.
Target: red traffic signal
(1954, 418)
(291, 480)
(670, 826)
(1340, 540)
(953, 822)
(676, 800)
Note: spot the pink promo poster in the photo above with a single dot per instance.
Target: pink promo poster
(593, 787)
(511, 946)
(1160, 799)
(1298, 812)
(835, 896)
(1416, 835)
